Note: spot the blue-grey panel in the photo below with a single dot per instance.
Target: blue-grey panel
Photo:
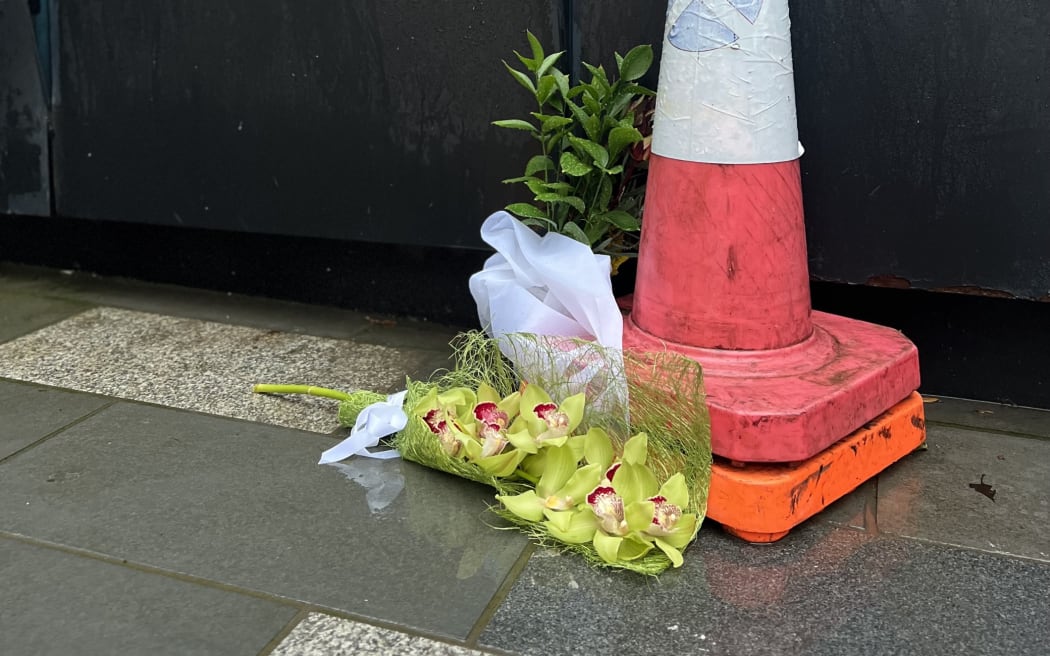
(363, 120)
(24, 184)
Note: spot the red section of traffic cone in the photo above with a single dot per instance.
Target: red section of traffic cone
(723, 278)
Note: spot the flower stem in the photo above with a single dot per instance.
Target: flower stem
(302, 389)
(527, 476)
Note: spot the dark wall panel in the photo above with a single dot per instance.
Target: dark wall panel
(927, 128)
(24, 183)
(927, 134)
(364, 120)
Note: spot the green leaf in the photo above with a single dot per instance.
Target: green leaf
(537, 187)
(552, 123)
(522, 79)
(524, 178)
(574, 202)
(605, 190)
(534, 43)
(562, 80)
(542, 224)
(595, 151)
(515, 124)
(527, 210)
(571, 165)
(599, 80)
(530, 64)
(545, 88)
(622, 220)
(547, 63)
(620, 138)
(636, 63)
(537, 164)
(574, 231)
(616, 170)
(592, 125)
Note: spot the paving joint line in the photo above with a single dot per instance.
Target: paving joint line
(279, 637)
(995, 431)
(500, 595)
(45, 438)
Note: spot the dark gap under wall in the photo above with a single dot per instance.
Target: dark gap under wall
(974, 347)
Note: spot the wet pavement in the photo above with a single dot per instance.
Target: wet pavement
(149, 503)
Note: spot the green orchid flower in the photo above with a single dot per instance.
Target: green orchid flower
(562, 487)
(447, 416)
(543, 422)
(671, 528)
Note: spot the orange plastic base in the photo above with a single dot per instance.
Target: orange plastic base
(762, 502)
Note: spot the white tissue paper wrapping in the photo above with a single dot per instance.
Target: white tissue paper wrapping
(551, 286)
(727, 85)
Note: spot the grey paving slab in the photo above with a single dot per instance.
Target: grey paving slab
(855, 510)
(204, 366)
(324, 635)
(934, 494)
(245, 504)
(23, 313)
(31, 412)
(61, 604)
(822, 590)
(989, 416)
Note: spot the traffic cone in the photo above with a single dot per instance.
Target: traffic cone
(804, 405)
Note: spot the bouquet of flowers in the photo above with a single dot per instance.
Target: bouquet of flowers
(625, 486)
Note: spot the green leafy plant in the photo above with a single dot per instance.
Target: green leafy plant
(588, 181)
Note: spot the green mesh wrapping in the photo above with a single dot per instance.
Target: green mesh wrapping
(666, 401)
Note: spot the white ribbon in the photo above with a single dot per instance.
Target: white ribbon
(375, 422)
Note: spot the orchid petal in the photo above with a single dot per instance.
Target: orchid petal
(501, 465)
(554, 442)
(607, 546)
(673, 553)
(511, 405)
(683, 533)
(582, 481)
(632, 548)
(576, 443)
(573, 409)
(486, 394)
(597, 448)
(634, 451)
(675, 491)
(533, 396)
(534, 464)
(639, 515)
(561, 465)
(635, 483)
(523, 441)
(525, 505)
(572, 527)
